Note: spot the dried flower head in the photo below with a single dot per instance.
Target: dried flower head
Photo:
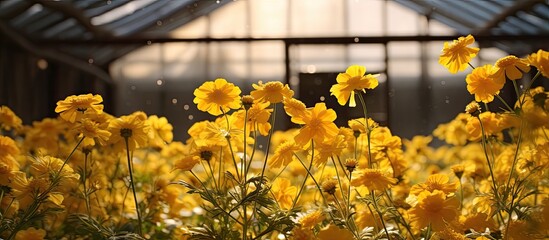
(473, 108)
(329, 186)
(247, 101)
(351, 164)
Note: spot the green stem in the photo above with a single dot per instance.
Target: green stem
(505, 103)
(376, 207)
(42, 197)
(84, 176)
(490, 167)
(140, 222)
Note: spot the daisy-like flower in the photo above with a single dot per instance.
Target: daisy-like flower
(257, 118)
(295, 109)
(284, 193)
(217, 97)
(8, 119)
(161, 131)
(319, 125)
(8, 150)
(186, 163)
(93, 131)
(435, 209)
(359, 125)
(284, 154)
(482, 84)
(310, 220)
(456, 55)
(373, 179)
(74, 107)
(31, 234)
(510, 67)
(273, 92)
(353, 79)
(540, 60)
(131, 127)
(435, 182)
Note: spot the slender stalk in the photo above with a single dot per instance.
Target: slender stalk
(505, 103)
(302, 186)
(41, 197)
(406, 225)
(140, 222)
(490, 167)
(84, 176)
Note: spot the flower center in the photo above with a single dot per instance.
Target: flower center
(206, 155)
(126, 132)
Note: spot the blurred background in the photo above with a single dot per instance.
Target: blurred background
(150, 55)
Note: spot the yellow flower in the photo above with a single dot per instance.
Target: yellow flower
(217, 97)
(540, 60)
(8, 119)
(284, 193)
(310, 220)
(332, 231)
(490, 123)
(373, 179)
(46, 166)
(328, 148)
(482, 84)
(94, 132)
(295, 109)
(319, 125)
(132, 127)
(353, 79)
(31, 234)
(453, 132)
(186, 163)
(359, 125)
(73, 107)
(161, 131)
(510, 66)
(284, 154)
(456, 55)
(435, 182)
(273, 92)
(257, 117)
(478, 221)
(435, 209)
(8, 151)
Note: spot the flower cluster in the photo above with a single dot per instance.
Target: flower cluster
(91, 175)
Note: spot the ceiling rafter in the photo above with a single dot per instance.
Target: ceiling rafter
(77, 14)
(523, 5)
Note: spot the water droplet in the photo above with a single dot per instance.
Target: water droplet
(174, 101)
(356, 39)
(90, 61)
(159, 23)
(442, 82)
(133, 87)
(159, 82)
(191, 117)
(322, 98)
(521, 86)
(42, 64)
(149, 42)
(186, 107)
